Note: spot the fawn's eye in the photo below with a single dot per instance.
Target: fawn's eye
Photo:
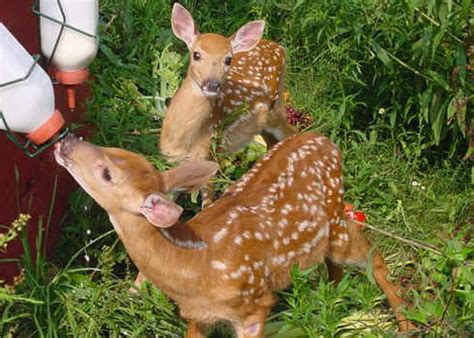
(196, 56)
(106, 175)
(228, 60)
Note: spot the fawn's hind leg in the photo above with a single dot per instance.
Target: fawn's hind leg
(196, 330)
(241, 132)
(277, 124)
(355, 249)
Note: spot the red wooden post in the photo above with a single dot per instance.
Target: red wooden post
(36, 176)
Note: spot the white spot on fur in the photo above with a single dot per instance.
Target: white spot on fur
(236, 274)
(220, 235)
(251, 279)
(218, 265)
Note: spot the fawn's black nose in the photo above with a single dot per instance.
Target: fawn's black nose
(67, 143)
(212, 86)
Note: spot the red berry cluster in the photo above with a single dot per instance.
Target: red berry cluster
(356, 215)
(297, 118)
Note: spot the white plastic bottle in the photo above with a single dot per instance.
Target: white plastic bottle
(75, 51)
(28, 105)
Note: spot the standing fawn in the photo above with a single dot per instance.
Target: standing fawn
(241, 75)
(226, 262)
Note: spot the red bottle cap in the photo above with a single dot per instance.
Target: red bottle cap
(71, 79)
(47, 130)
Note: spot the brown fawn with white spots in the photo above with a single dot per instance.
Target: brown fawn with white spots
(243, 74)
(226, 262)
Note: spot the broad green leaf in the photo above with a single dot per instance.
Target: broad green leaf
(439, 79)
(435, 43)
(410, 10)
(425, 100)
(461, 63)
(466, 7)
(382, 54)
(450, 6)
(284, 6)
(427, 36)
(417, 315)
(443, 14)
(393, 117)
(431, 4)
(110, 55)
(437, 118)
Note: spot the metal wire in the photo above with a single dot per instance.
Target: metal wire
(37, 12)
(35, 62)
(29, 148)
(63, 24)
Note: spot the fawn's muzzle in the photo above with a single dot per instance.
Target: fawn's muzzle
(65, 146)
(211, 86)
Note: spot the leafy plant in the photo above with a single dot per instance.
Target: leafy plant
(399, 65)
(448, 285)
(318, 308)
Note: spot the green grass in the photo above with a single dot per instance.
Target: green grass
(404, 170)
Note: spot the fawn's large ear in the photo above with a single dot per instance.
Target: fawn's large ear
(183, 25)
(190, 175)
(247, 36)
(160, 211)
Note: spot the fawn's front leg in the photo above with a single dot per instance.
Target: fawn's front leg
(253, 326)
(137, 284)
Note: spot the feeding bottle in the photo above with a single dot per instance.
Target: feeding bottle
(27, 105)
(74, 49)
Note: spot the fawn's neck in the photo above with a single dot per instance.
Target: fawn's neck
(168, 266)
(188, 117)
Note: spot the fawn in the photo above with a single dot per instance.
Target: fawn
(225, 76)
(226, 262)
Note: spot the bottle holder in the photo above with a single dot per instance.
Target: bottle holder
(27, 146)
(63, 24)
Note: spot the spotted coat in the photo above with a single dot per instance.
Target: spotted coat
(287, 210)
